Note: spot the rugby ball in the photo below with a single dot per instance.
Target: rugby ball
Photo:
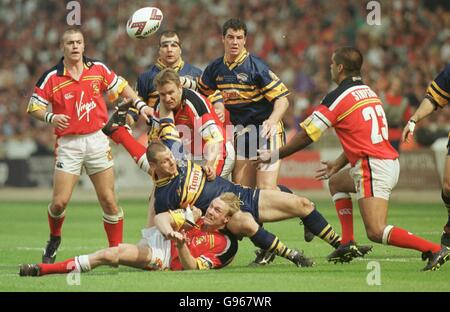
(144, 22)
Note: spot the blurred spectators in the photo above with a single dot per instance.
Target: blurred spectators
(295, 37)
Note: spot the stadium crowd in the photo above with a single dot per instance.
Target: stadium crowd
(295, 38)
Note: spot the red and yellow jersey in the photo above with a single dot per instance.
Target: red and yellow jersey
(211, 250)
(81, 100)
(197, 124)
(356, 113)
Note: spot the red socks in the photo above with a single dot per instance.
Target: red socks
(401, 238)
(114, 228)
(55, 222)
(344, 209)
(58, 267)
(123, 137)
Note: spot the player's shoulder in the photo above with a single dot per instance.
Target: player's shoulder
(445, 73)
(256, 61)
(53, 71)
(215, 65)
(196, 102)
(191, 70)
(149, 73)
(342, 88)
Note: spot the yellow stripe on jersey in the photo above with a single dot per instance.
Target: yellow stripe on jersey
(239, 60)
(193, 185)
(202, 264)
(215, 97)
(440, 100)
(356, 106)
(444, 93)
(279, 90)
(205, 89)
(178, 217)
(62, 85)
(311, 128)
(184, 192)
(211, 241)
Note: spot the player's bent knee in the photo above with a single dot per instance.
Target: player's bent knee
(58, 206)
(303, 206)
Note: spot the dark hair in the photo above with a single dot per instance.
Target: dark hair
(154, 147)
(165, 76)
(169, 34)
(351, 58)
(235, 24)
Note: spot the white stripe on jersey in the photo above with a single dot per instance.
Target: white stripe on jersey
(36, 99)
(101, 64)
(206, 125)
(322, 118)
(42, 85)
(344, 94)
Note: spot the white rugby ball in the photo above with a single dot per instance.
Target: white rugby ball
(144, 22)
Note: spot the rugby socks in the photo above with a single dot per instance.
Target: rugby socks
(446, 200)
(317, 224)
(344, 209)
(134, 148)
(77, 264)
(267, 241)
(395, 236)
(114, 227)
(55, 222)
(58, 267)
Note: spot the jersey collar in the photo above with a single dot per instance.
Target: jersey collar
(62, 71)
(177, 66)
(239, 60)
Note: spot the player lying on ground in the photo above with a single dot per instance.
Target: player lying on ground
(202, 246)
(356, 113)
(183, 183)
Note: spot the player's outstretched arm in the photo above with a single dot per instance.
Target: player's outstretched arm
(425, 109)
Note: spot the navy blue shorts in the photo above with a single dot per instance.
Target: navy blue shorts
(249, 198)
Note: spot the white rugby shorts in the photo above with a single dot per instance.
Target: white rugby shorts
(375, 177)
(89, 151)
(160, 247)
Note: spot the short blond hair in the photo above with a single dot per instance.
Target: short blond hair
(232, 201)
(165, 76)
(70, 30)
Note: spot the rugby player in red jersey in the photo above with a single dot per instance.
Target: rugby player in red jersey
(74, 90)
(201, 247)
(356, 113)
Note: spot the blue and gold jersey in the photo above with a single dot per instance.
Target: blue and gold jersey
(438, 91)
(190, 186)
(248, 88)
(145, 88)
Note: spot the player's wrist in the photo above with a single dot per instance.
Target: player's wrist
(139, 105)
(49, 117)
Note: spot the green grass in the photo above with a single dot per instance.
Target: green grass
(23, 232)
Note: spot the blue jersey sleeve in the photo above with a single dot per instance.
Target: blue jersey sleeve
(438, 91)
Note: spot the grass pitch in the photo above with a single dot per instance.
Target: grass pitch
(24, 231)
